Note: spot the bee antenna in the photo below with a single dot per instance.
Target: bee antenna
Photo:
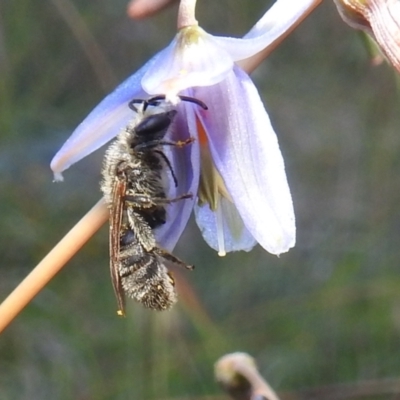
(194, 101)
(154, 101)
(132, 103)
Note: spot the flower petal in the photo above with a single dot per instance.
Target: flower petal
(185, 162)
(246, 153)
(102, 124)
(192, 59)
(275, 23)
(223, 229)
(280, 17)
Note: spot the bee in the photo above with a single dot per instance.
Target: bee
(134, 189)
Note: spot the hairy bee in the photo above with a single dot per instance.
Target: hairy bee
(134, 190)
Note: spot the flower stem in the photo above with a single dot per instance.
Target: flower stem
(138, 9)
(186, 14)
(40, 276)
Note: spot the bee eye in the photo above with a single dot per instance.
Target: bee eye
(157, 123)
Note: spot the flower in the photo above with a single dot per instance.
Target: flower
(380, 19)
(235, 165)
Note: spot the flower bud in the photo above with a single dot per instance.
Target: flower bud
(380, 18)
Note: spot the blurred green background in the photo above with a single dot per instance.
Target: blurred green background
(326, 313)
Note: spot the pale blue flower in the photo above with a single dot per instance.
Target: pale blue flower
(235, 165)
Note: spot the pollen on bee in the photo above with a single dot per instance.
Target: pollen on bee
(182, 143)
(120, 313)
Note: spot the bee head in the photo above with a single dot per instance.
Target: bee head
(153, 127)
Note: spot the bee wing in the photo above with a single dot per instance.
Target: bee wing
(116, 214)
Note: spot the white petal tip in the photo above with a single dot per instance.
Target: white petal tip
(58, 177)
(280, 249)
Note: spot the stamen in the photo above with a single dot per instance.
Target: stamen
(220, 231)
(211, 186)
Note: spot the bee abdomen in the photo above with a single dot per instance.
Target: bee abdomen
(149, 282)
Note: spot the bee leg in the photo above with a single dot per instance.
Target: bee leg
(143, 201)
(182, 197)
(155, 143)
(142, 230)
(177, 143)
(140, 201)
(158, 142)
(170, 257)
(166, 160)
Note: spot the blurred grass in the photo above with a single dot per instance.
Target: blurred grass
(328, 312)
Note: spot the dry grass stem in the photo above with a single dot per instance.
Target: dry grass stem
(68, 246)
(88, 43)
